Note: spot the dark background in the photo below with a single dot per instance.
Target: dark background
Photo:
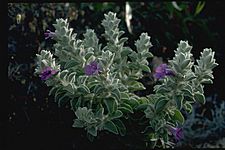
(34, 121)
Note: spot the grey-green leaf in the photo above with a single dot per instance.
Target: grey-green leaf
(100, 113)
(92, 130)
(160, 105)
(188, 107)
(178, 116)
(179, 101)
(120, 126)
(117, 114)
(83, 89)
(78, 124)
(126, 108)
(145, 68)
(199, 97)
(110, 126)
(110, 104)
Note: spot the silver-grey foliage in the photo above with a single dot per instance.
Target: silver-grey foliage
(101, 100)
(199, 129)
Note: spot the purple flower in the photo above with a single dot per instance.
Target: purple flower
(177, 133)
(49, 34)
(47, 73)
(163, 70)
(92, 69)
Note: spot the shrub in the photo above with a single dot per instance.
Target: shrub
(99, 81)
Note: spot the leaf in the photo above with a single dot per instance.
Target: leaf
(133, 57)
(135, 86)
(199, 97)
(126, 51)
(122, 40)
(178, 116)
(70, 64)
(84, 114)
(174, 4)
(152, 137)
(190, 76)
(120, 33)
(145, 68)
(120, 126)
(75, 103)
(143, 100)
(98, 88)
(208, 59)
(141, 107)
(124, 95)
(207, 81)
(165, 136)
(89, 57)
(72, 77)
(92, 84)
(83, 89)
(188, 107)
(92, 131)
(200, 88)
(161, 89)
(199, 7)
(100, 113)
(63, 100)
(133, 77)
(185, 63)
(110, 126)
(110, 104)
(71, 88)
(181, 57)
(187, 90)
(132, 102)
(213, 65)
(177, 67)
(82, 79)
(148, 55)
(126, 108)
(53, 90)
(111, 59)
(78, 123)
(58, 94)
(117, 114)
(149, 112)
(179, 101)
(160, 104)
(116, 94)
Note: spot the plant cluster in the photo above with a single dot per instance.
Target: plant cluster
(99, 81)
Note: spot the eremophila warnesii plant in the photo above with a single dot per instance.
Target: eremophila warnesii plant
(99, 81)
